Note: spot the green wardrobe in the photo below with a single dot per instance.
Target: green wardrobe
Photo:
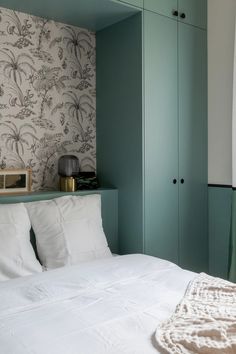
(152, 129)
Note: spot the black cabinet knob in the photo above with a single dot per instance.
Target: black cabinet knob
(174, 180)
(175, 13)
(183, 15)
(182, 181)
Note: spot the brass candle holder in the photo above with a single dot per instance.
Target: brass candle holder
(67, 184)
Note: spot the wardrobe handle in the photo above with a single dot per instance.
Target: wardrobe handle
(175, 13)
(182, 181)
(174, 180)
(183, 15)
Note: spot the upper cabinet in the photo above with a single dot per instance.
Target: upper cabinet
(163, 7)
(138, 3)
(193, 12)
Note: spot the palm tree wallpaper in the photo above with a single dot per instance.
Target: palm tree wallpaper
(47, 95)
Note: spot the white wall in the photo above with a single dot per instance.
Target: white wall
(221, 27)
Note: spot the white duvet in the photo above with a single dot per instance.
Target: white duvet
(109, 306)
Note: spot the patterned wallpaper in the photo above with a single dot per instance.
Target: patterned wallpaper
(47, 95)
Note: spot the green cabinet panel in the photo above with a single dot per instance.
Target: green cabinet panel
(119, 124)
(163, 7)
(193, 229)
(138, 3)
(161, 137)
(195, 12)
(152, 132)
(175, 144)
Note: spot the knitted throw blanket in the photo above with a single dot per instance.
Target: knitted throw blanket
(204, 322)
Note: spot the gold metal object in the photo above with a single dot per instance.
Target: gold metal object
(67, 184)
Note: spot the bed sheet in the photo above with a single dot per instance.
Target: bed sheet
(109, 306)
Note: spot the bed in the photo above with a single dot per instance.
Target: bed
(111, 304)
(105, 306)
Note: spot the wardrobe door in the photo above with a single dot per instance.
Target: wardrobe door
(160, 137)
(163, 7)
(193, 147)
(193, 12)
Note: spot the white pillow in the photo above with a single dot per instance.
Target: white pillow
(17, 257)
(68, 230)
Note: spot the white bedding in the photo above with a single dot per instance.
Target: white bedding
(109, 306)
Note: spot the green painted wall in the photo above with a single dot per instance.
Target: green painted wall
(219, 199)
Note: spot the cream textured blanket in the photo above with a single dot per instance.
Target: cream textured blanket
(204, 322)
